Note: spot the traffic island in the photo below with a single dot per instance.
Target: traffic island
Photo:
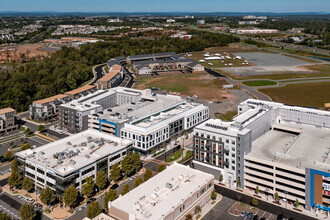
(239, 207)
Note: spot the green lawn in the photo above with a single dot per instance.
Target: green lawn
(228, 116)
(174, 156)
(256, 83)
(188, 155)
(304, 94)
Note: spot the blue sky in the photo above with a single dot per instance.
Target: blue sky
(166, 5)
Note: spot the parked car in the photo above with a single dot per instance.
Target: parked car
(256, 217)
(249, 215)
(243, 213)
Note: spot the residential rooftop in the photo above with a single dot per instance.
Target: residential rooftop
(156, 197)
(115, 69)
(296, 145)
(6, 110)
(51, 99)
(69, 154)
(79, 90)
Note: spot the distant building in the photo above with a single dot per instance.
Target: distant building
(143, 70)
(257, 31)
(247, 22)
(69, 161)
(117, 20)
(255, 17)
(8, 121)
(201, 22)
(170, 195)
(170, 20)
(196, 68)
(82, 91)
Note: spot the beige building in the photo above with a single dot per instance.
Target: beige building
(112, 79)
(7, 120)
(101, 216)
(171, 194)
(82, 91)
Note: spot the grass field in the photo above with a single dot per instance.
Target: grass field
(256, 83)
(174, 156)
(203, 86)
(188, 155)
(305, 94)
(320, 70)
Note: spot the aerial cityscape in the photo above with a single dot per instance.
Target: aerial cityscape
(174, 110)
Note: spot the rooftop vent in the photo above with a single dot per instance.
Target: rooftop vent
(87, 156)
(169, 185)
(72, 162)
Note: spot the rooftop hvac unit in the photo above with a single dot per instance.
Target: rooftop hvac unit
(169, 185)
(115, 144)
(42, 153)
(72, 162)
(87, 156)
(59, 161)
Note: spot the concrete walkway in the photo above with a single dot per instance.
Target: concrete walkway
(208, 206)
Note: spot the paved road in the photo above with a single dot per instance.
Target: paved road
(99, 71)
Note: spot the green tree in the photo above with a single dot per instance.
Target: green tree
(27, 212)
(257, 190)
(197, 210)
(254, 202)
(115, 172)
(213, 195)
(88, 187)
(221, 178)
(93, 210)
(138, 181)
(14, 179)
(161, 167)
(25, 146)
(41, 128)
(4, 216)
(239, 182)
(147, 175)
(101, 179)
(27, 184)
(28, 130)
(297, 203)
(70, 196)
(188, 217)
(126, 189)
(127, 165)
(136, 160)
(8, 155)
(277, 198)
(109, 197)
(47, 196)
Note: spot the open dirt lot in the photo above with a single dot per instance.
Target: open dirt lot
(207, 88)
(268, 63)
(15, 52)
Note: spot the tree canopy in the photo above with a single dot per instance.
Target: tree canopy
(126, 189)
(27, 212)
(93, 209)
(147, 175)
(109, 196)
(101, 179)
(115, 172)
(47, 196)
(88, 187)
(70, 196)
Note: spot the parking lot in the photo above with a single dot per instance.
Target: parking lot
(34, 141)
(220, 211)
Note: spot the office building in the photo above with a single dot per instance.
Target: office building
(171, 194)
(69, 161)
(8, 121)
(281, 149)
(147, 119)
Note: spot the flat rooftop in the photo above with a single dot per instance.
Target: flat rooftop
(295, 145)
(74, 152)
(153, 199)
(140, 109)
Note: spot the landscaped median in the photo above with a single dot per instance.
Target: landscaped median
(174, 156)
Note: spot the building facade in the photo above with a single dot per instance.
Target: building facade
(69, 161)
(8, 120)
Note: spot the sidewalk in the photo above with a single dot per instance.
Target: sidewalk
(208, 206)
(283, 204)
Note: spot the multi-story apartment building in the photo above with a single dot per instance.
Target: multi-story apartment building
(7, 120)
(111, 79)
(170, 195)
(268, 145)
(69, 161)
(46, 109)
(82, 91)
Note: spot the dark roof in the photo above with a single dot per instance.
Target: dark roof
(193, 64)
(167, 54)
(162, 61)
(113, 62)
(120, 58)
(141, 56)
(142, 66)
